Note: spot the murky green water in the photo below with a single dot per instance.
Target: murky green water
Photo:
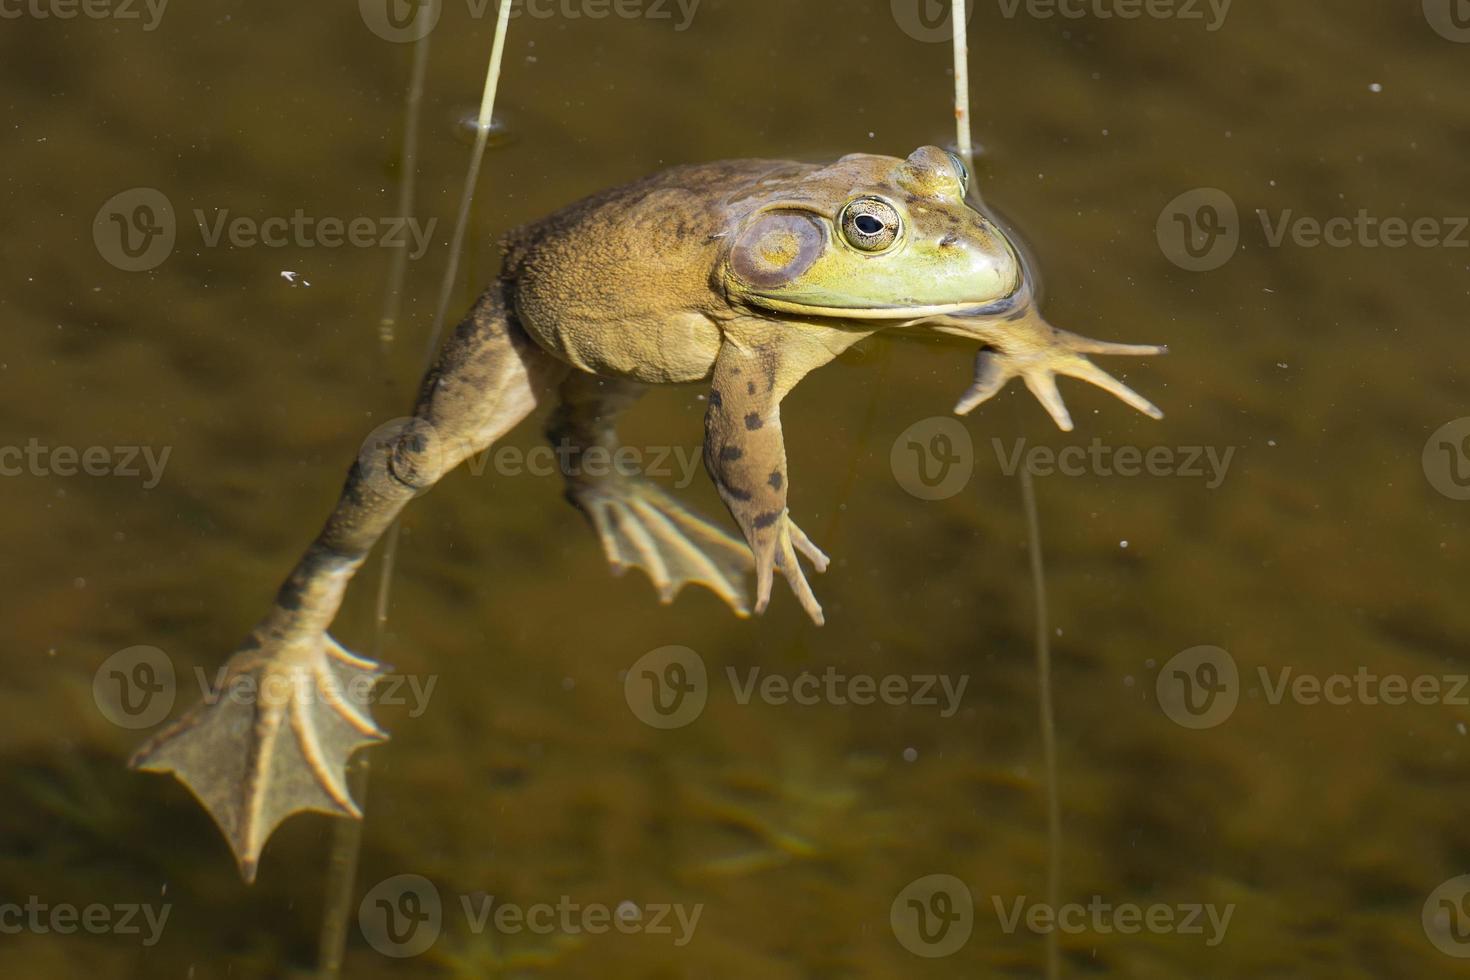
(1325, 544)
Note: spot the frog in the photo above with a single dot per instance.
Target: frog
(743, 276)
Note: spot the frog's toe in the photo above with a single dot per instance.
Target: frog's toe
(641, 526)
(1039, 368)
(782, 554)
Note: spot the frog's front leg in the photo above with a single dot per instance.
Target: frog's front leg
(746, 455)
(1022, 344)
(276, 735)
(637, 523)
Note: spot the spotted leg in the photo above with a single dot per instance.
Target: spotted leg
(293, 706)
(744, 450)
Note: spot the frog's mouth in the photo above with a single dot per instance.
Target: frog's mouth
(900, 313)
(1000, 299)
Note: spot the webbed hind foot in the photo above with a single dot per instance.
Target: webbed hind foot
(641, 526)
(273, 738)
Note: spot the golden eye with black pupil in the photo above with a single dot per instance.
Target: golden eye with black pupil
(870, 224)
(962, 172)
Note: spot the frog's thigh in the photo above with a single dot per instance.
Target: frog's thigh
(488, 377)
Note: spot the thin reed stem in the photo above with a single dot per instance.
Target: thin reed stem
(962, 86)
(1048, 719)
(482, 135)
(965, 146)
(398, 264)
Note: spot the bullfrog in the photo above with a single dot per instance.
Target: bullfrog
(744, 275)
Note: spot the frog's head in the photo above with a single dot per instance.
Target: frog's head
(872, 238)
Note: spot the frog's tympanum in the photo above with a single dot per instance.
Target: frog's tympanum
(743, 275)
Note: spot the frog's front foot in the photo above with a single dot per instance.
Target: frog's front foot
(780, 551)
(641, 526)
(272, 737)
(1038, 358)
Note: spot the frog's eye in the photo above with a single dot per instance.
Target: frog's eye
(963, 172)
(870, 224)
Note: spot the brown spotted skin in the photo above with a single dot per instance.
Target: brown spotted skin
(744, 450)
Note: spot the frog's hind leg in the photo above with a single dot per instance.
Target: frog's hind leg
(638, 524)
(293, 705)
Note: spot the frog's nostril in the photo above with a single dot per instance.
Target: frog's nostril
(948, 240)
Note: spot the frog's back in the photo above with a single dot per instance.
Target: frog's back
(623, 282)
